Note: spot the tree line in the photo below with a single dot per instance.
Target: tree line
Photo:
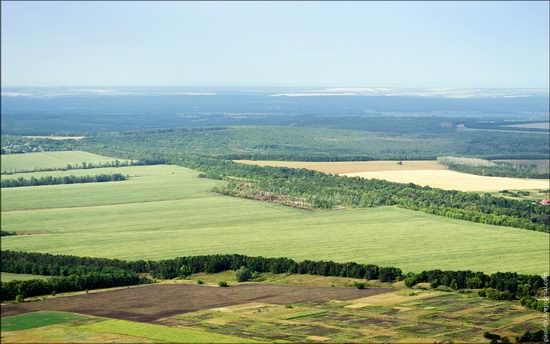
(88, 165)
(511, 285)
(49, 180)
(497, 286)
(19, 289)
(319, 190)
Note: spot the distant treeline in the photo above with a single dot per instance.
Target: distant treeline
(49, 180)
(500, 169)
(7, 233)
(512, 284)
(87, 165)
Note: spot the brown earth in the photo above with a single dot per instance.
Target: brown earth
(150, 303)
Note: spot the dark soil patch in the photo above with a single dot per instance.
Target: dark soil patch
(149, 303)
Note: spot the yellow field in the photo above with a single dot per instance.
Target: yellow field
(421, 172)
(340, 167)
(451, 180)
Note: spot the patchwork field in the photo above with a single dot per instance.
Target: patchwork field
(260, 312)
(54, 327)
(421, 172)
(175, 213)
(28, 161)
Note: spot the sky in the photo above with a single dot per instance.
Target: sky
(331, 44)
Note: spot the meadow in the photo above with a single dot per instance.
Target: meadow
(166, 211)
(29, 161)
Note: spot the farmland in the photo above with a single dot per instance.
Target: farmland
(427, 172)
(451, 180)
(29, 161)
(266, 312)
(176, 214)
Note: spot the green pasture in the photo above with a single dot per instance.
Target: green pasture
(28, 161)
(38, 319)
(166, 211)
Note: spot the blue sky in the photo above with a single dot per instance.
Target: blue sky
(345, 44)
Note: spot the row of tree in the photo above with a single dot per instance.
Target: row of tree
(75, 282)
(514, 285)
(88, 165)
(517, 285)
(50, 180)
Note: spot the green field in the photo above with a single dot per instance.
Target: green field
(166, 211)
(29, 161)
(7, 276)
(38, 319)
(45, 327)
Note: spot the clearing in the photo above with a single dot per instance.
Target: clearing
(177, 214)
(8, 276)
(29, 161)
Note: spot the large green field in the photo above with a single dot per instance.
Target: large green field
(29, 161)
(166, 211)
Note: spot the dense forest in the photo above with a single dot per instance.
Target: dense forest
(49, 180)
(513, 285)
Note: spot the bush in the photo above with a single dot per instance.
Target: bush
(243, 274)
(360, 285)
(200, 282)
(435, 283)
(454, 284)
(19, 298)
(223, 284)
(482, 293)
(410, 282)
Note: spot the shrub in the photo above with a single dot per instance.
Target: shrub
(243, 274)
(360, 285)
(454, 284)
(19, 298)
(200, 282)
(410, 282)
(223, 284)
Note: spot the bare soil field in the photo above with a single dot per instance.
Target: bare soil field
(149, 303)
(340, 167)
(451, 180)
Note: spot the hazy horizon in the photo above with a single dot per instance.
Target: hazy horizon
(276, 44)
